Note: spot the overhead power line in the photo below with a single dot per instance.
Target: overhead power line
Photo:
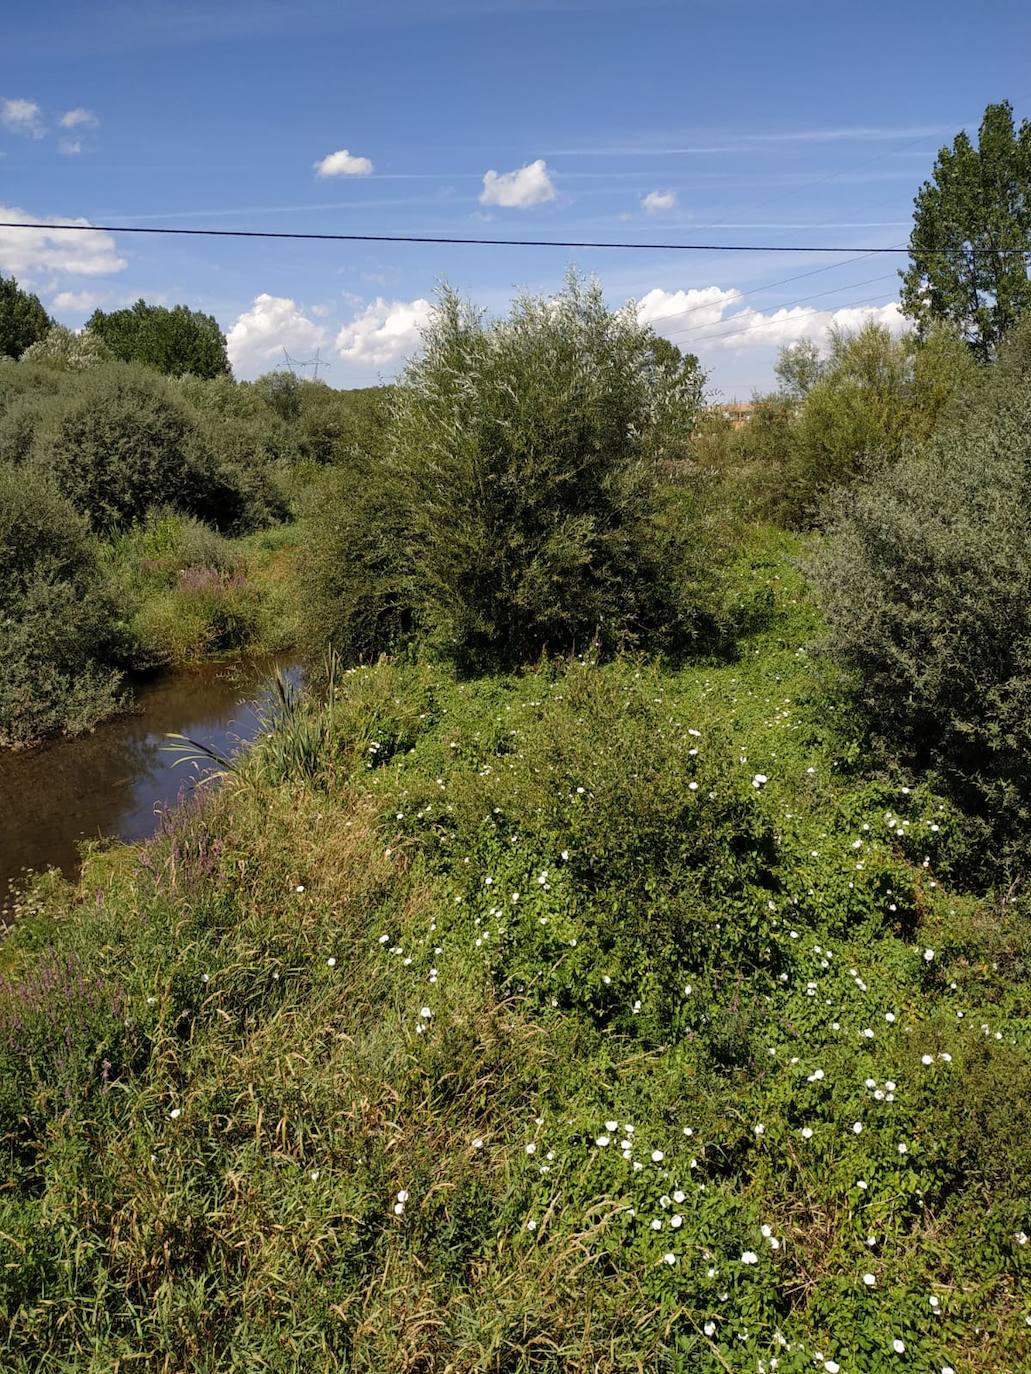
(483, 243)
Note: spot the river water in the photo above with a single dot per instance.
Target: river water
(116, 781)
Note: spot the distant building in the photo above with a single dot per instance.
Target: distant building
(737, 412)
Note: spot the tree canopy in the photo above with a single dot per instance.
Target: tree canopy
(22, 319)
(174, 341)
(972, 234)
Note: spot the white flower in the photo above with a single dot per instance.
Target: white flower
(564, 854)
(656, 1224)
(1020, 1238)
(934, 1302)
(669, 1258)
(927, 1059)
(679, 1195)
(831, 1366)
(759, 1130)
(531, 1225)
(611, 1125)
(314, 1175)
(331, 962)
(176, 1113)
(898, 1346)
(530, 1149)
(807, 1132)
(749, 1257)
(601, 1141)
(676, 1222)
(767, 1231)
(709, 1328)
(760, 780)
(299, 887)
(657, 1156)
(425, 1013)
(692, 787)
(903, 1149)
(928, 955)
(869, 1280)
(857, 1128)
(477, 1144)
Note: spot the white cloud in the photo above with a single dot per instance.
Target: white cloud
(78, 302)
(672, 311)
(384, 332)
(73, 119)
(529, 185)
(257, 339)
(70, 147)
(320, 311)
(657, 201)
(753, 329)
(25, 251)
(22, 117)
(343, 164)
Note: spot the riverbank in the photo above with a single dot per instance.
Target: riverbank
(594, 1018)
(167, 595)
(113, 783)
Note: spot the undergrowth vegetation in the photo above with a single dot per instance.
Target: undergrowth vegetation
(599, 1017)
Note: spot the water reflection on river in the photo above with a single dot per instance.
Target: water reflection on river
(113, 782)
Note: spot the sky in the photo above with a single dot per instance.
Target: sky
(650, 121)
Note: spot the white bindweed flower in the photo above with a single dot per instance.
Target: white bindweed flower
(749, 1257)
(425, 1013)
(669, 1258)
(331, 962)
(530, 1149)
(807, 1132)
(928, 955)
(477, 1144)
(831, 1366)
(176, 1113)
(601, 1141)
(709, 1328)
(759, 1130)
(676, 1222)
(760, 780)
(898, 1346)
(869, 1280)
(657, 1156)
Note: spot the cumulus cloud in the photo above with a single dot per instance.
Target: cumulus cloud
(343, 164)
(656, 201)
(528, 185)
(669, 311)
(26, 251)
(753, 329)
(257, 339)
(384, 332)
(78, 302)
(22, 117)
(78, 119)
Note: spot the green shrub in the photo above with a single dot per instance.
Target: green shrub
(59, 635)
(117, 440)
(925, 579)
(518, 510)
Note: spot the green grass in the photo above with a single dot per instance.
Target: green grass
(217, 1077)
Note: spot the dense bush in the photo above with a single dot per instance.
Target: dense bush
(524, 461)
(59, 633)
(117, 441)
(925, 579)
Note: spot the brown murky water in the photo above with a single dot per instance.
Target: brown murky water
(115, 781)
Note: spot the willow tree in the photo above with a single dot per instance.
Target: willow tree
(971, 234)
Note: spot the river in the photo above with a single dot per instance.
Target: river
(114, 782)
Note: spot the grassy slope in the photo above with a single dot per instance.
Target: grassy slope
(237, 1140)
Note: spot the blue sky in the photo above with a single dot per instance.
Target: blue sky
(651, 120)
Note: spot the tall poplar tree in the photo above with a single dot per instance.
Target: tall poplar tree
(971, 234)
